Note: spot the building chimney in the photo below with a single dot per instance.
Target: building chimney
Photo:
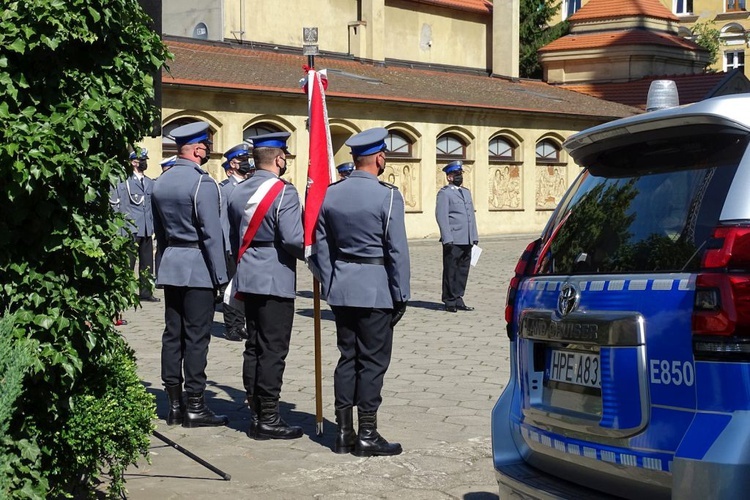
(505, 43)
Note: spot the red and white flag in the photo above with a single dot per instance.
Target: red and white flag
(320, 169)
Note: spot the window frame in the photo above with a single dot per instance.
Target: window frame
(441, 155)
(391, 153)
(544, 160)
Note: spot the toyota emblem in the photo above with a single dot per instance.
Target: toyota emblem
(567, 301)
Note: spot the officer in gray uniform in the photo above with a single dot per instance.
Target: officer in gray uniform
(187, 221)
(362, 261)
(266, 279)
(165, 164)
(345, 169)
(238, 167)
(134, 196)
(454, 212)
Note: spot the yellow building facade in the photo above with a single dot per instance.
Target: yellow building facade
(435, 76)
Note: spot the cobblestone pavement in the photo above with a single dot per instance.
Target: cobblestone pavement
(446, 373)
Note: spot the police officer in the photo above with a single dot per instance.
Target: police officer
(134, 196)
(238, 167)
(345, 169)
(454, 212)
(266, 278)
(188, 227)
(167, 163)
(362, 260)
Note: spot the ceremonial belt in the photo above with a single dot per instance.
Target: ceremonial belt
(262, 244)
(182, 244)
(354, 259)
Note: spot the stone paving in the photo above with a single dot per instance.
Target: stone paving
(446, 373)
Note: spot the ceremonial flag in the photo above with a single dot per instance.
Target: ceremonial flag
(320, 168)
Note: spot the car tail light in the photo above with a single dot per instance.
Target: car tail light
(721, 312)
(522, 269)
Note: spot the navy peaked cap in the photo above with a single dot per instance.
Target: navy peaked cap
(345, 167)
(368, 142)
(453, 166)
(143, 155)
(168, 162)
(272, 140)
(239, 150)
(191, 133)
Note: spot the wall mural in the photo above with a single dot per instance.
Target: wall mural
(406, 177)
(550, 186)
(505, 188)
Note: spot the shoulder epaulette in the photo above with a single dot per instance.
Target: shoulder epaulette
(338, 181)
(389, 186)
(224, 182)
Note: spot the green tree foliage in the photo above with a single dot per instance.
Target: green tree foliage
(16, 360)
(534, 32)
(709, 37)
(75, 91)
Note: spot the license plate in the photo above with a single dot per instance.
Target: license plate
(578, 368)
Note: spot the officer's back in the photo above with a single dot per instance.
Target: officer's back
(357, 212)
(177, 195)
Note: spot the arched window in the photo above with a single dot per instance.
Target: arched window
(259, 129)
(547, 151)
(398, 144)
(450, 147)
(168, 146)
(500, 149)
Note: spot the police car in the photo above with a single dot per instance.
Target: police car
(629, 318)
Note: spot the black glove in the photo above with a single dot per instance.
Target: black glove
(399, 308)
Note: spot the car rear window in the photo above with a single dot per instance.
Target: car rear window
(643, 208)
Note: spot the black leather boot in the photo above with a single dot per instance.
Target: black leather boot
(270, 424)
(200, 415)
(253, 404)
(345, 437)
(176, 404)
(369, 442)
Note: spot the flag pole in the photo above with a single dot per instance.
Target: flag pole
(318, 362)
(318, 178)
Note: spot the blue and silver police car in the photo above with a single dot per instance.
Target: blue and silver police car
(629, 318)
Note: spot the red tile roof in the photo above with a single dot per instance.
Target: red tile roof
(621, 37)
(480, 6)
(612, 9)
(232, 66)
(691, 88)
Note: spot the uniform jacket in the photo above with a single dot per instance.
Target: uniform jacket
(362, 217)
(187, 223)
(454, 212)
(226, 186)
(134, 201)
(268, 270)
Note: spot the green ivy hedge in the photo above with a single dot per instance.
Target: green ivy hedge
(75, 92)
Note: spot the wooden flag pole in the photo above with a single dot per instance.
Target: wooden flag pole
(318, 362)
